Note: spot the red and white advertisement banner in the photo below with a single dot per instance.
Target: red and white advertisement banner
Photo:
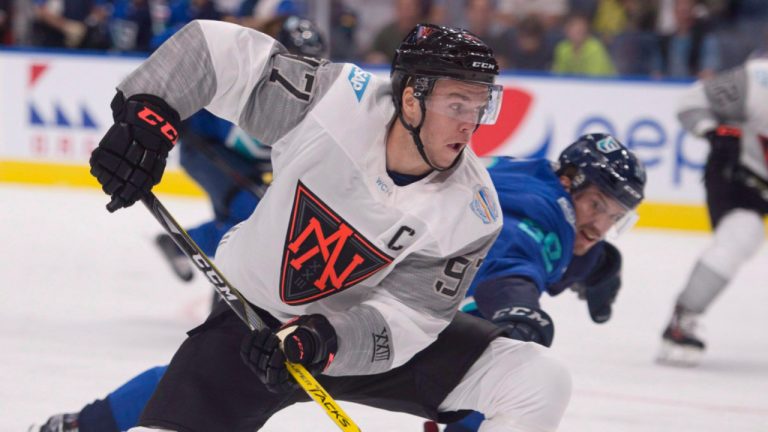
(56, 108)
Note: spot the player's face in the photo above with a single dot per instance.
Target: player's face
(596, 213)
(453, 111)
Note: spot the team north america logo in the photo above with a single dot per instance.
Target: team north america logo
(323, 254)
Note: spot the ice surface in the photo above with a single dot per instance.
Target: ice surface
(87, 302)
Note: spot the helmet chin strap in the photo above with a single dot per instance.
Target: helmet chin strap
(415, 132)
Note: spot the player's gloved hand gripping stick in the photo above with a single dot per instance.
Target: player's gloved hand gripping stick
(243, 309)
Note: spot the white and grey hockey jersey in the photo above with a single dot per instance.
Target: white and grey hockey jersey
(738, 98)
(387, 265)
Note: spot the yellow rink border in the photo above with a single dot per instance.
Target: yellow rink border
(673, 216)
(56, 174)
(652, 215)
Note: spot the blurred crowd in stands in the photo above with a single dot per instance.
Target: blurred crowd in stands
(651, 38)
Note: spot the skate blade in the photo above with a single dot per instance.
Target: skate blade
(672, 354)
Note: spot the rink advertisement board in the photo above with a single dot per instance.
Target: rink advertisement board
(56, 108)
(55, 111)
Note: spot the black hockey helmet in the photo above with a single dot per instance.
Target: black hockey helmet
(430, 52)
(602, 160)
(301, 36)
(435, 50)
(441, 52)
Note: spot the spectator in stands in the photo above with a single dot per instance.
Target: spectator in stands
(610, 19)
(531, 50)
(748, 11)
(228, 8)
(480, 21)
(408, 13)
(635, 50)
(551, 12)
(448, 12)
(588, 8)
(131, 25)
(344, 23)
(742, 29)
(257, 13)
(71, 23)
(5, 22)
(641, 15)
(692, 50)
(182, 12)
(580, 53)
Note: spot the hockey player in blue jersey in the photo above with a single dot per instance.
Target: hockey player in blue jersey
(555, 222)
(555, 219)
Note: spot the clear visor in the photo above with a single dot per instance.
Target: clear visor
(607, 214)
(471, 102)
(622, 225)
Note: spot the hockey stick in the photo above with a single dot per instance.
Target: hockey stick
(243, 309)
(238, 178)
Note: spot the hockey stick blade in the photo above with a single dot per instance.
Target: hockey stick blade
(243, 309)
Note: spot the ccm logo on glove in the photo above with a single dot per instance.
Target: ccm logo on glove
(154, 119)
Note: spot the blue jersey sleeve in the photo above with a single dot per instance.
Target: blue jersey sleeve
(208, 126)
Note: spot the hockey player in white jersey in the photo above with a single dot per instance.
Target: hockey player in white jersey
(375, 223)
(731, 112)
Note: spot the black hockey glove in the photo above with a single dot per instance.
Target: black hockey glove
(512, 302)
(600, 287)
(725, 146)
(309, 340)
(130, 159)
(526, 324)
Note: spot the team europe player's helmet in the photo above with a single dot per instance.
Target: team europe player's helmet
(601, 160)
(301, 36)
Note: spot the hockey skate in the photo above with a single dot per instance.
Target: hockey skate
(176, 258)
(680, 344)
(58, 423)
